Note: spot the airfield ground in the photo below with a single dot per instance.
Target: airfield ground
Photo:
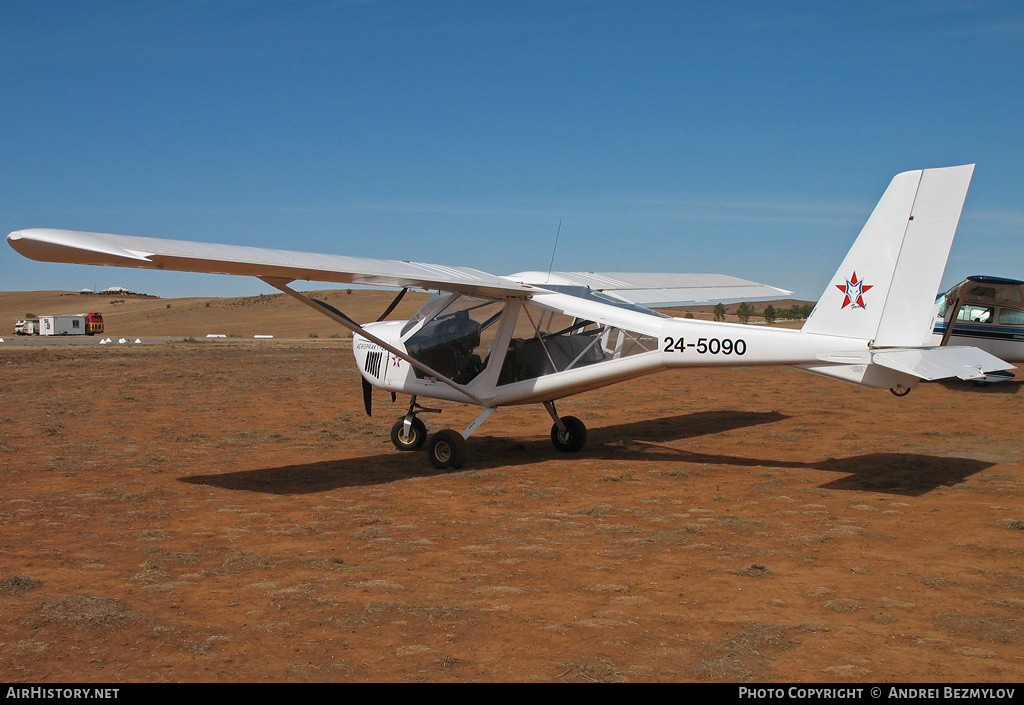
(224, 511)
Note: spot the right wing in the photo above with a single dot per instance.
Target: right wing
(658, 290)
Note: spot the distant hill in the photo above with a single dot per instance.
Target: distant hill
(243, 316)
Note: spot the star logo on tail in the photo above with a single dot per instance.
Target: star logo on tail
(854, 289)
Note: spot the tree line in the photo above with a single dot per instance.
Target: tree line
(770, 313)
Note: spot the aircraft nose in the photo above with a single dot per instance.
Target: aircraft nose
(385, 330)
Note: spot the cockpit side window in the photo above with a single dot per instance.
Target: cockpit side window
(1011, 317)
(973, 313)
(547, 341)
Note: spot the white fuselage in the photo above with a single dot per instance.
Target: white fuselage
(665, 343)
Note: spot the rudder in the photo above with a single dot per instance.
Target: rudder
(884, 291)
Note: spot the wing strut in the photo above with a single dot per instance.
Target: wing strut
(951, 316)
(339, 317)
(393, 305)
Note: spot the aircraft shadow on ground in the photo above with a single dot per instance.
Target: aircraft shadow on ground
(1009, 387)
(892, 473)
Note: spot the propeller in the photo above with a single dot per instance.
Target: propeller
(367, 396)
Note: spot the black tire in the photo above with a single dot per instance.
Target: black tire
(447, 449)
(416, 437)
(573, 439)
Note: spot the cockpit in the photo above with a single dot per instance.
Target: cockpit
(452, 334)
(460, 336)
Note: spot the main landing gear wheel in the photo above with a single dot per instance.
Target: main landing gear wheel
(573, 438)
(899, 390)
(447, 449)
(411, 439)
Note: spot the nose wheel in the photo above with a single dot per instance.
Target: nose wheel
(408, 434)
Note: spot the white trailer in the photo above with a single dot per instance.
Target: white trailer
(62, 325)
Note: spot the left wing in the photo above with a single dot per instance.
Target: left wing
(74, 247)
(649, 290)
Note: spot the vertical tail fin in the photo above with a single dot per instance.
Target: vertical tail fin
(885, 289)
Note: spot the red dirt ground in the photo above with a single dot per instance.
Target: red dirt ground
(224, 511)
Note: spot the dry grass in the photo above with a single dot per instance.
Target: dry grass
(16, 585)
(85, 612)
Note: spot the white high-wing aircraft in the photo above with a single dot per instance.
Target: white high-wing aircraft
(540, 337)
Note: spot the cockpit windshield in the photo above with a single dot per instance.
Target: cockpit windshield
(453, 334)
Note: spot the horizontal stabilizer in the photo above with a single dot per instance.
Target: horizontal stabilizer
(940, 363)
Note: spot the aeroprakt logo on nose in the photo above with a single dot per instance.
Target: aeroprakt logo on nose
(854, 289)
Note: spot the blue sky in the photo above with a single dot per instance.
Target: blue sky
(747, 138)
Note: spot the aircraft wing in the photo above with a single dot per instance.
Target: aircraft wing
(648, 290)
(74, 247)
(658, 290)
